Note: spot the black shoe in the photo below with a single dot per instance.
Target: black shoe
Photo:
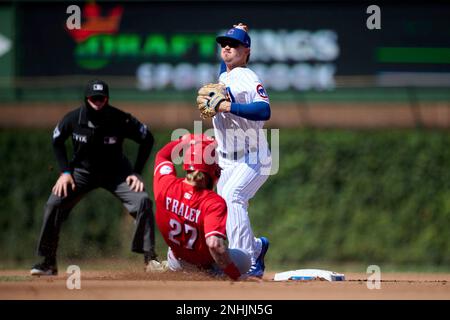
(44, 269)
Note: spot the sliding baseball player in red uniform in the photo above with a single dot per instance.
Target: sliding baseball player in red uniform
(189, 214)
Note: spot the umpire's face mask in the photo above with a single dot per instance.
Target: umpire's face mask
(97, 102)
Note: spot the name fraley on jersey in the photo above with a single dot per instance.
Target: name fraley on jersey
(173, 205)
(183, 210)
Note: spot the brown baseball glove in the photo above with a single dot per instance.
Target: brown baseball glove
(210, 96)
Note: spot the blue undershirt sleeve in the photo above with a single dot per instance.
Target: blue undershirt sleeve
(223, 67)
(256, 111)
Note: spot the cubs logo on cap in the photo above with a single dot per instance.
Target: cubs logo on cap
(237, 35)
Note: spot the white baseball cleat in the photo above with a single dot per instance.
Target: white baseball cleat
(156, 266)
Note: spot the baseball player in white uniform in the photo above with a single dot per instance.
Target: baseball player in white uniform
(243, 150)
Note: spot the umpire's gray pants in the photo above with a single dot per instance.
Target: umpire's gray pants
(138, 205)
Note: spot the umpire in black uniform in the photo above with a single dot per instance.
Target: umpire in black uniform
(98, 130)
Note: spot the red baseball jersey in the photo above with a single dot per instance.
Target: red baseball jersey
(186, 215)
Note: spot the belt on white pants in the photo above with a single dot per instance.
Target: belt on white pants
(237, 154)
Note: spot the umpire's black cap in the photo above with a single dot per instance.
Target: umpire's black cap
(96, 88)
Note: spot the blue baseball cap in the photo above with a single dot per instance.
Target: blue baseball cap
(237, 35)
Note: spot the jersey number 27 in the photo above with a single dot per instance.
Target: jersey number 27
(176, 231)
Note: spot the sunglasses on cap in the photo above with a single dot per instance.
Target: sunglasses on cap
(230, 43)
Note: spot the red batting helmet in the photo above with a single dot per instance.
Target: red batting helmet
(201, 155)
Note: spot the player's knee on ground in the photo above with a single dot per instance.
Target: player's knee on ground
(241, 259)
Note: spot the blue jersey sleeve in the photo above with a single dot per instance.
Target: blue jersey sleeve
(256, 111)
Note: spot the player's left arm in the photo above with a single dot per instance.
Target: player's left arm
(256, 111)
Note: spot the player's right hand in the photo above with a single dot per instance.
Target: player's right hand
(61, 186)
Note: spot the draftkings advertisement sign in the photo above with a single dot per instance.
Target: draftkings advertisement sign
(172, 45)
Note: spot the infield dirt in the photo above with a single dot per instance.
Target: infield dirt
(137, 285)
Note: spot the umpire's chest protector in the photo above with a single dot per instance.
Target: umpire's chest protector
(99, 137)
